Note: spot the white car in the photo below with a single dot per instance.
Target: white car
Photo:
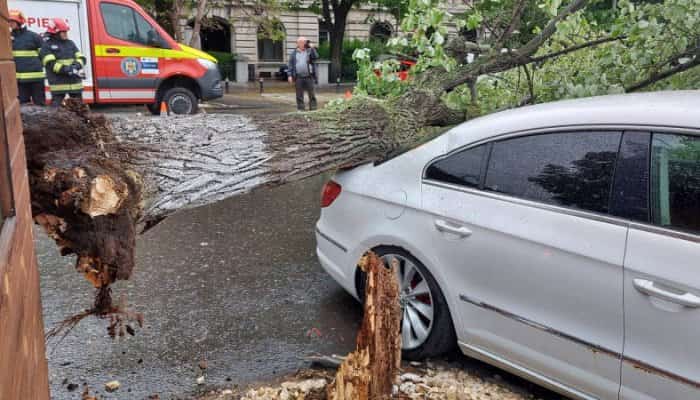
(560, 242)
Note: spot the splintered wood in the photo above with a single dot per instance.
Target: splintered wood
(371, 370)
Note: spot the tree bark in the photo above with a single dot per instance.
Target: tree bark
(197, 27)
(371, 370)
(337, 35)
(95, 182)
(174, 15)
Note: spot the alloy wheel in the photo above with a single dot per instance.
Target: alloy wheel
(417, 307)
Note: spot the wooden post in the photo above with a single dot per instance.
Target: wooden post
(370, 372)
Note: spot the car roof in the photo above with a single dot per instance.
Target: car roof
(666, 109)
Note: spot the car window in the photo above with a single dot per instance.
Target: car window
(675, 181)
(463, 168)
(124, 23)
(573, 169)
(630, 197)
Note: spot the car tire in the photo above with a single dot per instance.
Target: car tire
(441, 337)
(180, 100)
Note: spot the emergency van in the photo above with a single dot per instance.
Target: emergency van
(130, 58)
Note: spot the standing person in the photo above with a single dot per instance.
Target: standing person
(303, 72)
(25, 50)
(63, 62)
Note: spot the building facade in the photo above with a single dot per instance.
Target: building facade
(230, 28)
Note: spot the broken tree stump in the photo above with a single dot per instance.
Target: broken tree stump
(371, 370)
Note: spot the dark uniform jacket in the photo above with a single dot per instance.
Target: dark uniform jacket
(62, 61)
(25, 49)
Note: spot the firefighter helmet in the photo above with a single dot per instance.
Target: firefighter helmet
(17, 16)
(57, 25)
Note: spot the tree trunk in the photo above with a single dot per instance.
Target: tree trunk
(197, 27)
(337, 35)
(371, 370)
(174, 15)
(96, 182)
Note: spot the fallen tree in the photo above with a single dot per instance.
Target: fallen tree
(96, 182)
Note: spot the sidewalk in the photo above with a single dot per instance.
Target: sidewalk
(276, 95)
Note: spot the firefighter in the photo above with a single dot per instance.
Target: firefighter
(25, 49)
(63, 62)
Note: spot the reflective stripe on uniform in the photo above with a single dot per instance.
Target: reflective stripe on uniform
(25, 53)
(48, 58)
(67, 62)
(31, 75)
(67, 87)
(79, 58)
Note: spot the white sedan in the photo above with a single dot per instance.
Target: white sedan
(560, 242)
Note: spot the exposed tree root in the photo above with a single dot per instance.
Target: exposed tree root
(121, 319)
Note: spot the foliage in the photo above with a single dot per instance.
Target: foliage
(640, 41)
(379, 78)
(375, 48)
(223, 56)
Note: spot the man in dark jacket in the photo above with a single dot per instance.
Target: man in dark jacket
(25, 49)
(63, 62)
(302, 71)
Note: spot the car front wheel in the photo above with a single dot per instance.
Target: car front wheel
(426, 325)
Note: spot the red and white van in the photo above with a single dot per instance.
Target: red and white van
(130, 58)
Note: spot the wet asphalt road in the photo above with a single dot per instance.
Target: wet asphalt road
(236, 283)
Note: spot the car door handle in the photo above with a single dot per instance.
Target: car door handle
(112, 50)
(444, 226)
(647, 287)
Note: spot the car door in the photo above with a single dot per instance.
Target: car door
(126, 53)
(526, 245)
(662, 278)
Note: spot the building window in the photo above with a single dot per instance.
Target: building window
(381, 31)
(271, 42)
(323, 36)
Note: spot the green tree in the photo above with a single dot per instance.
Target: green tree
(561, 52)
(334, 16)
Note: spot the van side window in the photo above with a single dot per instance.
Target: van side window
(675, 181)
(124, 23)
(463, 168)
(572, 169)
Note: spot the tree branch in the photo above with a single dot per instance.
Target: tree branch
(658, 76)
(499, 62)
(535, 43)
(577, 47)
(512, 25)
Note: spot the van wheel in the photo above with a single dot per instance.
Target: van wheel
(180, 101)
(426, 327)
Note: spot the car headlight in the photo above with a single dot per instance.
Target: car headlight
(208, 64)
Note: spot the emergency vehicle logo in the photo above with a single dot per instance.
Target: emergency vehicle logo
(131, 66)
